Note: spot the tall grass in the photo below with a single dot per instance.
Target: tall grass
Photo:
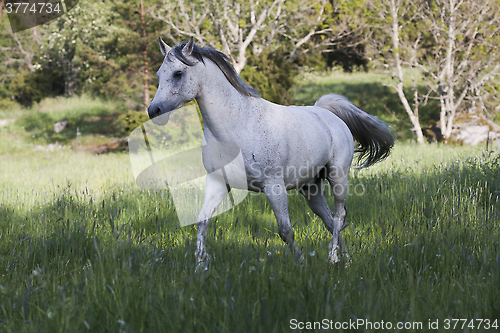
(83, 249)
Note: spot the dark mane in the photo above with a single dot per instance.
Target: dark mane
(221, 60)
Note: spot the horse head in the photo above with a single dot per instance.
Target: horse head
(178, 83)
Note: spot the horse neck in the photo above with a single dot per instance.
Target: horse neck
(223, 108)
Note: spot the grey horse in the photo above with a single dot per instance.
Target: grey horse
(283, 147)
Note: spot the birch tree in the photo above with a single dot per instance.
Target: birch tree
(464, 57)
(239, 26)
(453, 43)
(399, 47)
(326, 26)
(232, 26)
(19, 49)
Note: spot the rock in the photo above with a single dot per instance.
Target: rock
(4, 122)
(59, 126)
(473, 129)
(472, 135)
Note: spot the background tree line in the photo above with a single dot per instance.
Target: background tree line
(448, 49)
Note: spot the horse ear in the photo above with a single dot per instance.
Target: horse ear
(188, 48)
(164, 48)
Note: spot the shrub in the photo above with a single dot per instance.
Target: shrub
(271, 75)
(6, 104)
(28, 87)
(129, 121)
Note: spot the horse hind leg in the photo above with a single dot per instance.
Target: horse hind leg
(315, 199)
(338, 178)
(313, 193)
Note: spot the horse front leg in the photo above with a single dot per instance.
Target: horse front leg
(276, 193)
(215, 192)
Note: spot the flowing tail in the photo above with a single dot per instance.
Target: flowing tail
(374, 136)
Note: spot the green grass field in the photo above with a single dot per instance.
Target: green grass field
(82, 248)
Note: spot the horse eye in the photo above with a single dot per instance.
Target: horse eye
(177, 74)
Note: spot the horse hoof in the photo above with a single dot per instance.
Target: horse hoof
(203, 262)
(333, 259)
(201, 267)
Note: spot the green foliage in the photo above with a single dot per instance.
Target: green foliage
(6, 101)
(130, 54)
(70, 38)
(99, 49)
(6, 104)
(272, 75)
(129, 121)
(28, 87)
(346, 49)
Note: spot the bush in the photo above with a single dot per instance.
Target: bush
(129, 121)
(271, 75)
(6, 104)
(28, 87)
(6, 101)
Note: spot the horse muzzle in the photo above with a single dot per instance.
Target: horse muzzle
(158, 115)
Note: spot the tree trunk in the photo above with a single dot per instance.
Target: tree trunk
(412, 115)
(448, 75)
(70, 77)
(399, 87)
(145, 54)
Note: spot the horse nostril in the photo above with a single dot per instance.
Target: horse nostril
(154, 112)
